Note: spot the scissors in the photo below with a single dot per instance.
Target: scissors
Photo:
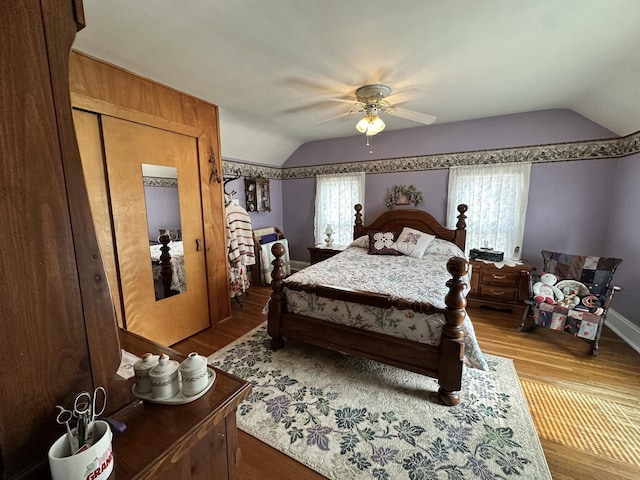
(90, 406)
(87, 407)
(63, 418)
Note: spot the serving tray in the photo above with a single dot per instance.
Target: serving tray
(179, 398)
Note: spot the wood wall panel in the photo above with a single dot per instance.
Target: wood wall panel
(105, 88)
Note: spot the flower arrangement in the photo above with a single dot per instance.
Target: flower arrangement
(403, 195)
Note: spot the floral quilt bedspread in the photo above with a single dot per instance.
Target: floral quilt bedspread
(415, 279)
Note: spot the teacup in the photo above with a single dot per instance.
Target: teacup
(164, 378)
(195, 376)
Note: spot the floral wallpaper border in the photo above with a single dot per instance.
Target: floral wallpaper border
(159, 182)
(561, 152)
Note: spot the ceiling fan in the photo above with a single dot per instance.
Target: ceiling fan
(372, 99)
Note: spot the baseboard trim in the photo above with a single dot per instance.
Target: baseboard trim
(624, 328)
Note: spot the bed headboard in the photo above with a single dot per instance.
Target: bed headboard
(396, 220)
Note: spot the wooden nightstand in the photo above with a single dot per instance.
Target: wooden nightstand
(322, 252)
(503, 288)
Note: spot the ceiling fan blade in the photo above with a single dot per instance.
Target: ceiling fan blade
(344, 114)
(403, 96)
(412, 115)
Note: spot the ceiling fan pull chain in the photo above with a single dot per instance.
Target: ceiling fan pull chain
(369, 144)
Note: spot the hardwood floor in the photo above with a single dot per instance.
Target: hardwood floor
(553, 361)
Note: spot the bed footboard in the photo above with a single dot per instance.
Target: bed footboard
(444, 362)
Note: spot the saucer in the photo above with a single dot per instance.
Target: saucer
(179, 398)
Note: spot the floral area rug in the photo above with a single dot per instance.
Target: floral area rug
(349, 418)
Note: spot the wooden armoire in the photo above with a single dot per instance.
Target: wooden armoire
(124, 121)
(59, 329)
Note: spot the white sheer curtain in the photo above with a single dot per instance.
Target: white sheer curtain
(497, 197)
(335, 197)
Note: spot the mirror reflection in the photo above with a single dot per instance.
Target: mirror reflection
(164, 229)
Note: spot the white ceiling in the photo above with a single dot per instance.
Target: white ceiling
(274, 66)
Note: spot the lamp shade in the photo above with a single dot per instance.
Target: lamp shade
(370, 125)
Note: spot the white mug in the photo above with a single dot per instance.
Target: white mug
(95, 462)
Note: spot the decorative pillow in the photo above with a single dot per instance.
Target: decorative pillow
(362, 242)
(412, 242)
(380, 243)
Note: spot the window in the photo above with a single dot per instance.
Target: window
(335, 197)
(497, 198)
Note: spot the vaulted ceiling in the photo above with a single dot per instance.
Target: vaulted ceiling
(279, 69)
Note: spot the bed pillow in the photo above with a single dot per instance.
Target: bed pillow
(412, 242)
(362, 242)
(444, 247)
(380, 242)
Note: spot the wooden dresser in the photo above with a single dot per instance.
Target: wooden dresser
(503, 288)
(197, 440)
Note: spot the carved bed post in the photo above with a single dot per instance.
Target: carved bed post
(452, 342)
(357, 226)
(276, 304)
(165, 264)
(461, 226)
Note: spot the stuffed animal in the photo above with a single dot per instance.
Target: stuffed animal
(545, 290)
(571, 296)
(592, 304)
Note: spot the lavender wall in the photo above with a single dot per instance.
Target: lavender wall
(261, 219)
(623, 234)
(568, 201)
(569, 207)
(163, 209)
(572, 186)
(534, 128)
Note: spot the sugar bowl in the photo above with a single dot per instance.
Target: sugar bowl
(165, 381)
(195, 376)
(141, 369)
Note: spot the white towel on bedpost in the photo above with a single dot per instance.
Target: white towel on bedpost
(266, 257)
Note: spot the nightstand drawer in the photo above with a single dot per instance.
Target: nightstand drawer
(498, 292)
(498, 277)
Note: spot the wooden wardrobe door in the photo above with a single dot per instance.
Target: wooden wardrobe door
(127, 146)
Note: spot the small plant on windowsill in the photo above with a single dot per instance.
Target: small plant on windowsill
(403, 195)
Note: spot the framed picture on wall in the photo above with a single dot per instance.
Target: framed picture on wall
(402, 199)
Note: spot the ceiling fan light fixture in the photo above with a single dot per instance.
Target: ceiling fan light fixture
(370, 124)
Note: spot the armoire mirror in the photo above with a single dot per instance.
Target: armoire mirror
(162, 204)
